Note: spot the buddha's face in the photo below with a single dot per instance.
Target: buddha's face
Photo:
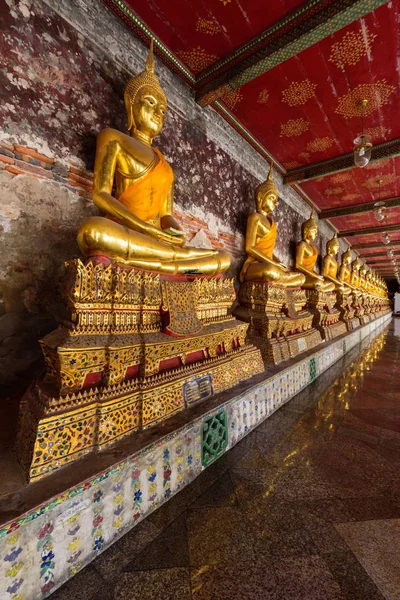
(148, 111)
(333, 247)
(267, 202)
(310, 233)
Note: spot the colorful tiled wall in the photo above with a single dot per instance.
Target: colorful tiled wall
(47, 546)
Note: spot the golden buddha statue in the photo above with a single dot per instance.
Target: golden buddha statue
(138, 227)
(141, 343)
(345, 269)
(368, 278)
(330, 266)
(261, 264)
(355, 273)
(363, 277)
(271, 298)
(306, 257)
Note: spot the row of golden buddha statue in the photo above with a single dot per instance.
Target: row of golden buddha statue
(151, 329)
(290, 312)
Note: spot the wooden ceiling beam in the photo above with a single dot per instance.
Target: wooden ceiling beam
(377, 255)
(341, 163)
(355, 209)
(368, 230)
(375, 245)
(303, 28)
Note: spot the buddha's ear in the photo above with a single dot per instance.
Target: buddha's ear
(129, 112)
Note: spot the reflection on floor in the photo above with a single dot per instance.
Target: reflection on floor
(307, 507)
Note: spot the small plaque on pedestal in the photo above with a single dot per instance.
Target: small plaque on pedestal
(302, 344)
(198, 389)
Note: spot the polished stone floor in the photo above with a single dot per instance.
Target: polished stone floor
(306, 507)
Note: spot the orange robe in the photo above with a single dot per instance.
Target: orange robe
(266, 245)
(146, 196)
(309, 261)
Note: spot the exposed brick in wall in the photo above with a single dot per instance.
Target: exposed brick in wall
(21, 160)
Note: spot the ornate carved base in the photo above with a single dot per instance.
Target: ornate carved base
(279, 324)
(325, 315)
(140, 347)
(346, 311)
(358, 307)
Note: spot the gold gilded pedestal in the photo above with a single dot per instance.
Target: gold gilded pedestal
(140, 347)
(319, 289)
(344, 304)
(326, 316)
(279, 324)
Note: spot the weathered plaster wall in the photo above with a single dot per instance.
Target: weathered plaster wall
(63, 67)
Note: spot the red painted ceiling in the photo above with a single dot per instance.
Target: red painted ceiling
(310, 107)
(306, 109)
(209, 29)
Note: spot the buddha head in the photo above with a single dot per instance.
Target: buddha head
(332, 246)
(363, 270)
(356, 264)
(145, 103)
(346, 256)
(309, 229)
(267, 195)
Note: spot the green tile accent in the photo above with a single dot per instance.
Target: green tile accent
(214, 437)
(313, 369)
(344, 347)
(353, 13)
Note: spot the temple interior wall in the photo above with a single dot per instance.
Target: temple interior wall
(63, 67)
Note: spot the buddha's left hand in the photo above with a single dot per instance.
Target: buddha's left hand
(176, 240)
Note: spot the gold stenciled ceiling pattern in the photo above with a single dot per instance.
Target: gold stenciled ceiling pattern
(298, 92)
(377, 95)
(352, 47)
(305, 109)
(294, 127)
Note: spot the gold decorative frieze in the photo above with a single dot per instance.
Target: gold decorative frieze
(341, 177)
(319, 144)
(377, 182)
(377, 94)
(263, 97)
(378, 132)
(232, 98)
(207, 26)
(334, 191)
(352, 47)
(294, 127)
(298, 92)
(350, 197)
(197, 59)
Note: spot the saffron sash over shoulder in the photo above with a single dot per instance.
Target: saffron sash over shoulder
(309, 261)
(146, 196)
(267, 242)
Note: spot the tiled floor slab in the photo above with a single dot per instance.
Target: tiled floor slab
(376, 545)
(285, 515)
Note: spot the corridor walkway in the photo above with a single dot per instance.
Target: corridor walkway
(307, 507)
